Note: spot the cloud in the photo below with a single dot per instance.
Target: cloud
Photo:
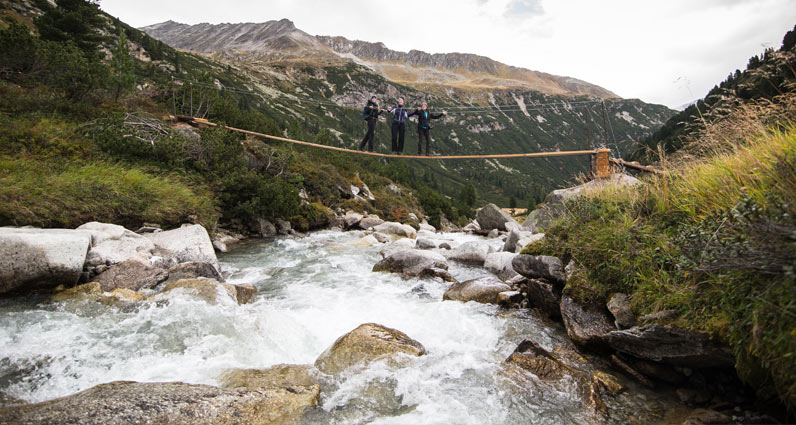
(524, 9)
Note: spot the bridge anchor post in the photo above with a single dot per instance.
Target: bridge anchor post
(602, 163)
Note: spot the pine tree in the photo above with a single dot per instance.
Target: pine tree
(122, 67)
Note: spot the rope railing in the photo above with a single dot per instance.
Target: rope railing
(201, 121)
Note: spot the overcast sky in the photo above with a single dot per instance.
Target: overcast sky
(661, 51)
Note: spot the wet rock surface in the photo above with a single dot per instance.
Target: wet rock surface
(483, 290)
(132, 274)
(414, 263)
(366, 343)
(167, 403)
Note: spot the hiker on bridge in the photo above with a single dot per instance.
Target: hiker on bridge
(400, 116)
(370, 113)
(424, 118)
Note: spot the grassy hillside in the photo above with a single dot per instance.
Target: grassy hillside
(714, 240)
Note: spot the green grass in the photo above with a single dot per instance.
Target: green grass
(714, 240)
(52, 194)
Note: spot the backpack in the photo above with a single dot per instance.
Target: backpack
(365, 113)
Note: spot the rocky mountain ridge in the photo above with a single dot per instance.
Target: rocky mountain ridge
(282, 38)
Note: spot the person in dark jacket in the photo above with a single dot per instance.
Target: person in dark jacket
(424, 118)
(400, 116)
(370, 114)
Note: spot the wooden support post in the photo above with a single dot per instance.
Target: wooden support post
(603, 164)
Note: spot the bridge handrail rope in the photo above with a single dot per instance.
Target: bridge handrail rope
(201, 121)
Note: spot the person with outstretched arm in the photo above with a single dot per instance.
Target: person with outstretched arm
(370, 113)
(424, 118)
(400, 115)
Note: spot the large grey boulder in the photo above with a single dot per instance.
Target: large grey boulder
(188, 243)
(540, 267)
(120, 402)
(367, 343)
(473, 252)
(371, 220)
(492, 217)
(415, 263)
(424, 243)
(41, 258)
(134, 273)
(499, 263)
(544, 296)
(553, 207)
(671, 345)
(393, 228)
(483, 290)
(472, 227)
(264, 228)
(352, 219)
(586, 325)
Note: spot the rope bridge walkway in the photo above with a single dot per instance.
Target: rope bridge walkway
(602, 158)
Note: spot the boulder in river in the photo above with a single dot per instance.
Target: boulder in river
(483, 290)
(427, 227)
(473, 252)
(245, 293)
(209, 290)
(371, 220)
(492, 217)
(133, 273)
(194, 269)
(264, 228)
(365, 344)
(586, 325)
(41, 258)
(671, 345)
(121, 402)
(423, 243)
(540, 266)
(352, 219)
(113, 244)
(472, 227)
(532, 357)
(188, 243)
(412, 262)
(393, 228)
(499, 263)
